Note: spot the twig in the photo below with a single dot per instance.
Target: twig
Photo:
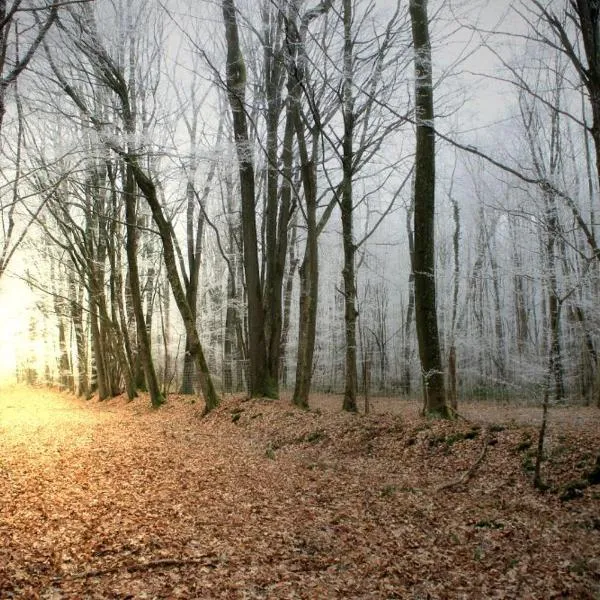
(468, 474)
(455, 413)
(138, 566)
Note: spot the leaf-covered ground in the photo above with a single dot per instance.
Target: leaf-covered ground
(260, 500)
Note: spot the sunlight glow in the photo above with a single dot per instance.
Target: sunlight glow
(16, 303)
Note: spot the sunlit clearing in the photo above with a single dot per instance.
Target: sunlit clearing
(16, 345)
(38, 421)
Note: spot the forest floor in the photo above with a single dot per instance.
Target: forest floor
(261, 500)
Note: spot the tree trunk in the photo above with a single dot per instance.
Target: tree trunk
(498, 328)
(309, 270)
(156, 398)
(287, 302)
(405, 377)
(260, 383)
(99, 377)
(165, 232)
(76, 308)
(194, 250)
(522, 319)
(424, 218)
(309, 283)
(554, 301)
(346, 208)
(277, 213)
(452, 376)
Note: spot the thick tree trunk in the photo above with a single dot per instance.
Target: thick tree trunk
(424, 191)
(260, 383)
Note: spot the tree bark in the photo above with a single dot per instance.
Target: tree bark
(194, 252)
(277, 213)
(309, 271)
(405, 377)
(260, 384)
(424, 218)
(346, 208)
(76, 310)
(156, 398)
(165, 232)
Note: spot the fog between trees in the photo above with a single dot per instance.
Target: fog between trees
(220, 197)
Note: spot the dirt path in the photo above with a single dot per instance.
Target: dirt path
(114, 500)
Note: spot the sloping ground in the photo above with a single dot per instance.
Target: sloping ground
(260, 500)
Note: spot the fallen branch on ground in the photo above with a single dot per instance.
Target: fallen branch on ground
(457, 415)
(468, 474)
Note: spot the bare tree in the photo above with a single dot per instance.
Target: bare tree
(85, 38)
(19, 41)
(424, 216)
(260, 383)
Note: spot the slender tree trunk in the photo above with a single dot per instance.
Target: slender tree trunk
(309, 270)
(424, 245)
(76, 308)
(277, 213)
(498, 328)
(287, 302)
(405, 378)
(65, 375)
(156, 398)
(554, 302)
(309, 281)
(165, 307)
(522, 329)
(194, 250)
(165, 232)
(452, 376)
(99, 377)
(346, 207)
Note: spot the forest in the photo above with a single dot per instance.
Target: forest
(358, 197)
(299, 299)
